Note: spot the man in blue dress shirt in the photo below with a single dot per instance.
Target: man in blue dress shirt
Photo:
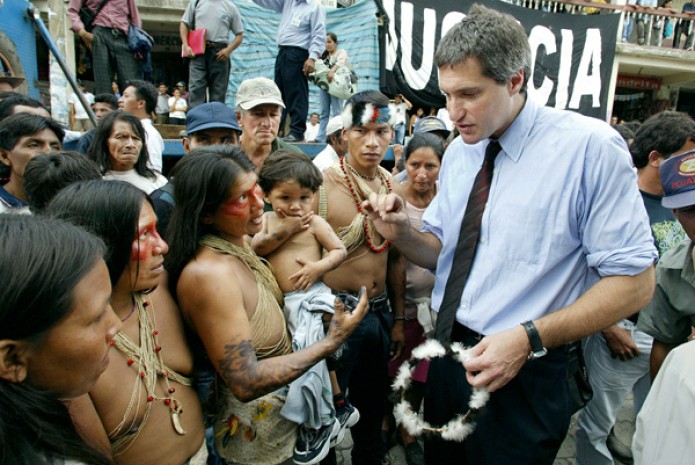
(301, 41)
(564, 248)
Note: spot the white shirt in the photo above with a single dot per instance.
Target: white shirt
(326, 158)
(80, 112)
(132, 177)
(665, 428)
(399, 110)
(312, 130)
(155, 144)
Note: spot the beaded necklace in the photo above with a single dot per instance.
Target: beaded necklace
(363, 194)
(146, 358)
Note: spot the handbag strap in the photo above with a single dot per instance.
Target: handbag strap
(195, 5)
(101, 6)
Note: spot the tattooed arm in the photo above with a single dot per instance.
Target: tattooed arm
(218, 294)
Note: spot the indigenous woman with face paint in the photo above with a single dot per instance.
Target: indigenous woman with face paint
(233, 304)
(55, 328)
(120, 150)
(144, 400)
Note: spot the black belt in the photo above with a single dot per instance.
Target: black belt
(376, 304)
(215, 44)
(460, 332)
(285, 47)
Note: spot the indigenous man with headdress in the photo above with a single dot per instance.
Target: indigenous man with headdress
(368, 129)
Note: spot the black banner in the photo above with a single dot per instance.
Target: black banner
(572, 55)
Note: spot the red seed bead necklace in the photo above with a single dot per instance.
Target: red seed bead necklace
(358, 202)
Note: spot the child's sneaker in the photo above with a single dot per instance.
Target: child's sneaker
(347, 416)
(313, 444)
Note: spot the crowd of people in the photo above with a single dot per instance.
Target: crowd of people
(254, 304)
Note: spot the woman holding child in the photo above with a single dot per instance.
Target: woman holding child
(218, 278)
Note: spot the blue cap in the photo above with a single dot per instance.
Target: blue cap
(211, 115)
(678, 180)
(430, 124)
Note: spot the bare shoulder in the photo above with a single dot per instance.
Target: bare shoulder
(318, 224)
(208, 276)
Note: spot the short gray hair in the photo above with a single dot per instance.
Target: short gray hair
(496, 39)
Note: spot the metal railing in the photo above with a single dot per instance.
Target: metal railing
(647, 25)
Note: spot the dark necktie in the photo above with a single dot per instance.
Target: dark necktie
(467, 243)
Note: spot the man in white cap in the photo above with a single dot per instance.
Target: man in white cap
(336, 147)
(259, 107)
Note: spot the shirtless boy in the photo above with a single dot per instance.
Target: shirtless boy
(292, 240)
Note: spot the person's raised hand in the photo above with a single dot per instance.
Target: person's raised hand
(388, 215)
(345, 321)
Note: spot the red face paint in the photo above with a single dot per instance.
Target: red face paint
(143, 246)
(238, 207)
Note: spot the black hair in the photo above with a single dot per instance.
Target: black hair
(424, 139)
(107, 98)
(665, 132)
(41, 262)
(16, 126)
(47, 173)
(359, 100)
(144, 91)
(7, 104)
(204, 180)
(496, 39)
(108, 209)
(626, 133)
(285, 165)
(324, 55)
(99, 149)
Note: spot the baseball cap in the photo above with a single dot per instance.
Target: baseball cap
(430, 124)
(678, 180)
(181, 84)
(335, 124)
(211, 115)
(258, 91)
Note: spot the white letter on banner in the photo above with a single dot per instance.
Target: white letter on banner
(586, 84)
(391, 38)
(541, 36)
(563, 74)
(451, 19)
(417, 78)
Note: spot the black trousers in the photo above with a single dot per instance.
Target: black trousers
(294, 86)
(364, 377)
(524, 423)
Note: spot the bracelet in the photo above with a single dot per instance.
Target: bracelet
(398, 318)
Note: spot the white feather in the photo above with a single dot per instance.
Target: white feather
(429, 349)
(479, 397)
(346, 116)
(457, 431)
(402, 380)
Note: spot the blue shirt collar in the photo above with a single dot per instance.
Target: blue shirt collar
(10, 200)
(519, 130)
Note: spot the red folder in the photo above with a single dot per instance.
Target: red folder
(196, 40)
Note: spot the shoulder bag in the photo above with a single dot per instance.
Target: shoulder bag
(88, 16)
